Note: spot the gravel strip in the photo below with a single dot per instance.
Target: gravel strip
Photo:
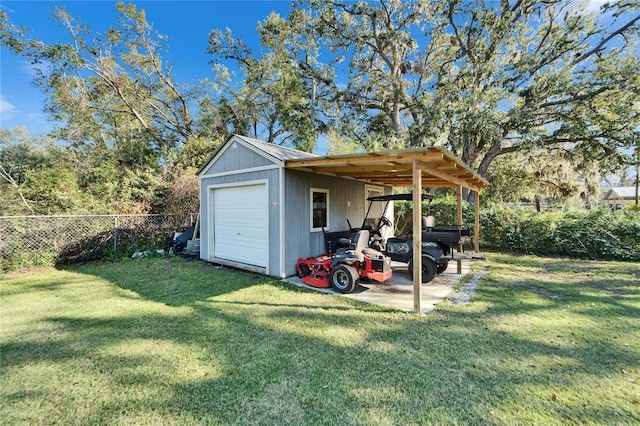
(463, 296)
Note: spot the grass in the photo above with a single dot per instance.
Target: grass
(157, 341)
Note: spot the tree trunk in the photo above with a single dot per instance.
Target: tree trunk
(637, 182)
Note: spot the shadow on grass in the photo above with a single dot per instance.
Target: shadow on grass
(174, 281)
(265, 362)
(282, 365)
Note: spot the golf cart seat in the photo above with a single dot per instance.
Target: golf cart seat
(428, 222)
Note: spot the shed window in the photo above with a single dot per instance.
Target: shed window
(319, 209)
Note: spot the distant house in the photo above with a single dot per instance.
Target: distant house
(617, 197)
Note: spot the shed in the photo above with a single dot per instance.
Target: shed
(263, 205)
(257, 214)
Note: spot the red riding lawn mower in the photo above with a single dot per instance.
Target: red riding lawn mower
(343, 269)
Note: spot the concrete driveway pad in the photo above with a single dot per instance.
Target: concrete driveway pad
(397, 292)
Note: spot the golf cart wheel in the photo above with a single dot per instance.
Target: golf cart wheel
(429, 269)
(442, 266)
(303, 270)
(344, 278)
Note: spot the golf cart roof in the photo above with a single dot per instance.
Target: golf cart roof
(399, 197)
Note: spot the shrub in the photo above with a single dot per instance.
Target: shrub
(17, 258)
(596, 234)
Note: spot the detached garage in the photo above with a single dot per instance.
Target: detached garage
(262, 206)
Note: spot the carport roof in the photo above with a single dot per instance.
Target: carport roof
(440, 168)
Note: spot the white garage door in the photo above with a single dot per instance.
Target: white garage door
(241, 224)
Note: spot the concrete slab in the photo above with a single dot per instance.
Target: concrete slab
(397, 292)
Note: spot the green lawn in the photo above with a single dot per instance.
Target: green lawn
(157, 341)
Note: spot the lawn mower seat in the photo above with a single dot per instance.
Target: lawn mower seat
(361, 241)
(355, 251)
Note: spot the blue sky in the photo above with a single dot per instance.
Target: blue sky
(186, 23)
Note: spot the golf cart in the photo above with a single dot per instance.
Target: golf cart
(437, 241)
(343, 267)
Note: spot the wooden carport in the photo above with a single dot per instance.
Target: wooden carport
(433, 167)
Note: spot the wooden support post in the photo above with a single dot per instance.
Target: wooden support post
(476, 237)
(459, 205)
(417, 237)
(459, 220)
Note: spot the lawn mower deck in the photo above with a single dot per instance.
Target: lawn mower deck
(314, 271)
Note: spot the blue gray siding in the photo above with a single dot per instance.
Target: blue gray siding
(294, 239)
(346, 201)
(236, 157)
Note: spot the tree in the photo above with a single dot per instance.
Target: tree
(276, 99)
(99, 84)
(484, 78)
(123, 117)
(36, 176)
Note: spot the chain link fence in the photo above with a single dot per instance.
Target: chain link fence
(45, 240)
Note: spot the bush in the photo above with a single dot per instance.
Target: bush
(597, 234)
(17, 259)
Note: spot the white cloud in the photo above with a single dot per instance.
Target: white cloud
(593, 6)
(37, 117)
(34, 70)
(7, 109)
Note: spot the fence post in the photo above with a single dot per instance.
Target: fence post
(115, 233)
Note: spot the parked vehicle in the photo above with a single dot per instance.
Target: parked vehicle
(437, 241)
(344, 268)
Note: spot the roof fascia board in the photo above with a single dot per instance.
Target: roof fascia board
(242, 171)
(457, 160)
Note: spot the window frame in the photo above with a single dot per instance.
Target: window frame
(311, 208)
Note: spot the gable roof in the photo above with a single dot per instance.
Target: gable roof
(279, 152)
(621, 192)
(440, 168)
(273, 152)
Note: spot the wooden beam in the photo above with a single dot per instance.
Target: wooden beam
(417, 237)
(364, 159)
(459, 216)
(446, 177)
(409, 183)
(376, 174)
(354, 169)
(459, 205)
(447, 165)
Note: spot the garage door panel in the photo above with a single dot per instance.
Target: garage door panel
(241, 224)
